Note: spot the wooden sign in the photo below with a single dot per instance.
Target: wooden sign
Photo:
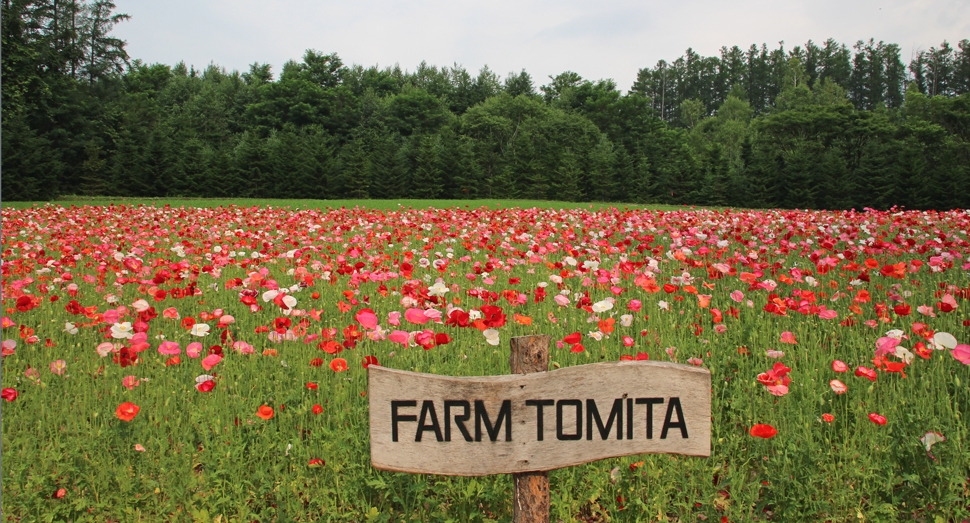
(475, 426)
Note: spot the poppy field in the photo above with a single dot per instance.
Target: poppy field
(177, 363)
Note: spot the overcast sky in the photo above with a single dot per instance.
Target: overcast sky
(597, 39)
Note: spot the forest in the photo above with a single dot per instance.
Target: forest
(813, 126)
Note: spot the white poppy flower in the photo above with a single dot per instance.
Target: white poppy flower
(491, 336)
(602, 306)
(122, 331)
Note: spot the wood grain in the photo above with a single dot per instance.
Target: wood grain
(601, 383)
(530, 492)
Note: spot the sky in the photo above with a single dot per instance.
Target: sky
(605, 39)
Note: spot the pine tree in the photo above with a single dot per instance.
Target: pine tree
(602, 171)
(426, 183)
(251, 162)
(93, 171)
(566, 184)
(470, 182)
(357, 169)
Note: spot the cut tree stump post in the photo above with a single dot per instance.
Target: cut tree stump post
(530, 499)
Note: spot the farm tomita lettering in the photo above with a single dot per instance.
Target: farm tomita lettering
(564, 419)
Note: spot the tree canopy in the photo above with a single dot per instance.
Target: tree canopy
(814, 126)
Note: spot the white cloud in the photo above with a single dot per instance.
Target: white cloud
(605, 39)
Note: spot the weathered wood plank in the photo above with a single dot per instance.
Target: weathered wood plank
(474, 426)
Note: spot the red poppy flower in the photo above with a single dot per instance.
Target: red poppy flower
(866, 373)
(442, 338)
(265, 412)
(24, 303)
(206, 386)
(311, 386)
(577, 348)
(763, 431)
(127, 411)
(492, 316)
(330, 347)
(316, 362)
(369, 360)
(317, 462)
(338, 365)
(877, 419)
(572, 338)
(187, 323)
(9, 394)
(317, 409)
(73, 307)
(457, 318)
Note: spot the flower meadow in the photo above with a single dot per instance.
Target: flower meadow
(209, 364)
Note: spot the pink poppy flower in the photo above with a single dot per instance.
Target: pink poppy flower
(866, 372)
(788, 337)
(401, 337)
(104, 348)
(193, 350)
(838, 386)
(886, 345)
(58, 367)
(169, 348)
(111, 316)
(416, 316)
(962, 353)
(839, 366)
(931, 438)
(877, 419)
(367, 319)
(211, 361)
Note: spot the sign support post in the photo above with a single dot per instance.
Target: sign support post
(535, 420)
(530, 498)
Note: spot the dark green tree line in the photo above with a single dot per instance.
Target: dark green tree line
(814, 126)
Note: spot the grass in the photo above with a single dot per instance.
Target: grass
(208, 457)
(68, 201)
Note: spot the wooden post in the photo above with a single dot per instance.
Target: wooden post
(530, 499)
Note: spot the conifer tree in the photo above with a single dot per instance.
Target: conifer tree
(568, 175)
(426, 183)
(357, 169)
